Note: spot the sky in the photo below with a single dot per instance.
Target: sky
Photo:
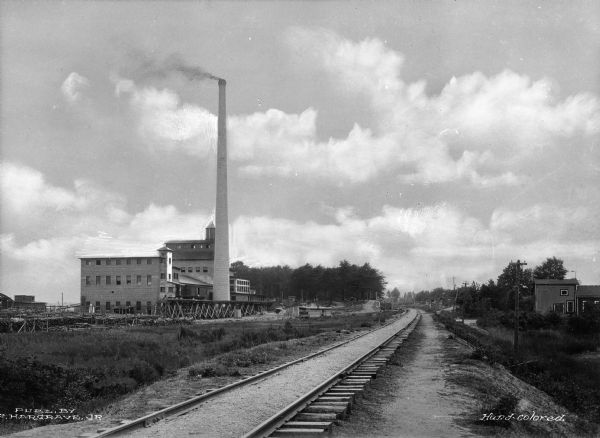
(436, 141)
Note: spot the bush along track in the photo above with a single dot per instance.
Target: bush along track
(545, 360)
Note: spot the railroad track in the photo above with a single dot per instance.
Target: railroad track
(316, 412)
(367, 365)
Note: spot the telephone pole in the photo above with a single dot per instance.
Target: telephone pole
(516, 334)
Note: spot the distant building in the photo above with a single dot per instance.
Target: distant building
(21, 302)
(564, 296)
(129, 283)
(135, 282)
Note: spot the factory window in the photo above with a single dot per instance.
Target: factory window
(128, 261)
(139, 261)
(108, 305)
(87, 304)
(148, 261)
(118, 280)
(204, 269)
(97, 280)
(197, 268)
(162, 276)
(169, 260)
(118, 261)
(118, 304)
(149, 280)
(170, 289)
(178, 246)
(175, 275)
(107, 262)
(149, 307)
(97, 306)
(88, 280)
(564, 292)
(108, 279)
(98, 262)
(138, 306)
(87, 262)
(128, 303)
(139, 280)
(161, 260)
(128, 279)
(169, 277)
(162, 288)
(190, 269)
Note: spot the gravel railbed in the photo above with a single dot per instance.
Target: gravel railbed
(236, 412)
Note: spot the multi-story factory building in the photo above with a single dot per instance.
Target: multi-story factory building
(128, 283)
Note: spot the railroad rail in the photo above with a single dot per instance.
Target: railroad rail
(317, 411)
(190, 404)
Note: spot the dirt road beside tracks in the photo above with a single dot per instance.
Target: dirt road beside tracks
(435, 389)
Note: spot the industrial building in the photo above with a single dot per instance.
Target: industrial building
(564, 296)
(136, 282)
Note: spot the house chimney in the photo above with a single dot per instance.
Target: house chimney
(221, 261)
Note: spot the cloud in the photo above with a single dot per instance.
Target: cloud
(73, 86)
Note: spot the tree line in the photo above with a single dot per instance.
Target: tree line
(310, 283)
(477, 299)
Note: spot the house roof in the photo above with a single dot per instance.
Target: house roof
(593, 290)
(566, 281)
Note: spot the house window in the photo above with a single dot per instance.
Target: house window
(98, 262)
(107, 262)
(162, 276)
(564, 292)
(87, 262)
(161, 260)
(97, 280)
(197, 268)
(171, 289)
(88, 280)
(570, 306)
(118, 280)
(175, 275)
(139, 261)
(108, 279)
(148, 261)
(128, 279)
(108, 305)
(139, 280)
(149, 280)
(204, 269)
(118, 261)
(190, 269)
(559, 307)
(128, 261)
(162, 288)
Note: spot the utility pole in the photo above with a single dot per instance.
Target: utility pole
(516, 334)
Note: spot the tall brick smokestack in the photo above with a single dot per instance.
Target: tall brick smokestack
(221, 268)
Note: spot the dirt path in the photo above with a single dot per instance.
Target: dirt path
(439, 391)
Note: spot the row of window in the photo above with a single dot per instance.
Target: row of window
(128, 261)
(118, 279)
(191, 269)
(192, 245)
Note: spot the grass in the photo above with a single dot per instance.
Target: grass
(546, 359)
(85, 370)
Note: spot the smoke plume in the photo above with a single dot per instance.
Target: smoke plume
(173, 64)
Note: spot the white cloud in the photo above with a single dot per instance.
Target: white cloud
(73, 86)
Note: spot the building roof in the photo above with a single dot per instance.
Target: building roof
(121, 255)
(566, 281)
(593, 290)
(164, 248)
(185, 279)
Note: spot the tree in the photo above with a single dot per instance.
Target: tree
(552, 268)
(395, 294)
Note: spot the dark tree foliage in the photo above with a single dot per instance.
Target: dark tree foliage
(307, 283)
(552, 268)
